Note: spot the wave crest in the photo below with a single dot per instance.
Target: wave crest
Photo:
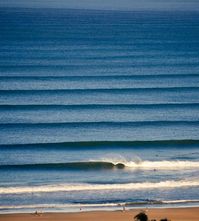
(98, 187)
(109, 164)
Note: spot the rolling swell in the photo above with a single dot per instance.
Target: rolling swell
(100, 77)
(103, 124)
(97, 82)
(169, 184)
(96, 106)
(108, 164)
(106, 144)
(100, 90)
(67, 166)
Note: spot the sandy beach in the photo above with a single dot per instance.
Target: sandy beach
(173, 214)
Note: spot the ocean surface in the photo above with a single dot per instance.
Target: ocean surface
(98, 109)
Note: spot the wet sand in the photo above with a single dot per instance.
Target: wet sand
(173, 214)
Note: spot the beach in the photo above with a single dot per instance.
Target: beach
(173, 214)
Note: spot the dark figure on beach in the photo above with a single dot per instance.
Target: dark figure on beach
(141, 217)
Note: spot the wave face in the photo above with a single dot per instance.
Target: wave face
(109, 165)
(97, 82)
(105, 144)
(98, 109)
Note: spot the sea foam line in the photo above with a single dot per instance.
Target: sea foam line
(98, 187)
(159, 165)
(42, 206)
(81, 205)
(77, 205)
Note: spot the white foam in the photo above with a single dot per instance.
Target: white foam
(98, 187)
(157, 165)
(164, 165)
(92, 205)
(56, 206)
(180, 201)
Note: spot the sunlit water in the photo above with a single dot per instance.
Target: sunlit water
(98, 109)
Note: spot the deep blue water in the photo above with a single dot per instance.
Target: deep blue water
(98, 108)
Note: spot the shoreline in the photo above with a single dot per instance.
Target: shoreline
(96, 208)
(173, 214)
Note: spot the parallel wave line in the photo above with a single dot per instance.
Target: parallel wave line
(98, 90)
(99, 187)
(97, 106)
(77, 77)
(104, 123)
(108, 164)
(92, 144)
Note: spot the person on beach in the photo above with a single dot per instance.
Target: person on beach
(141, 217)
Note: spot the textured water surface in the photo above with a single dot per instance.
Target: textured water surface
(98, 108)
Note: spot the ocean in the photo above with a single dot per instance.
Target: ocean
(98, 109)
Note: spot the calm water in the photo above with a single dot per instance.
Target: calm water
(97, 109)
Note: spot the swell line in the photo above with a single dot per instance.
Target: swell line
(99, 66)
(100, 77)
(97, 106)
(111, 76)
(101, 144)
(99, 90)
(98, 187)
(108, 164)
(67, 166)
(103, 124)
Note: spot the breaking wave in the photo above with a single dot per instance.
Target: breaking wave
(97, 205)
(98, 187)
(108, 164)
